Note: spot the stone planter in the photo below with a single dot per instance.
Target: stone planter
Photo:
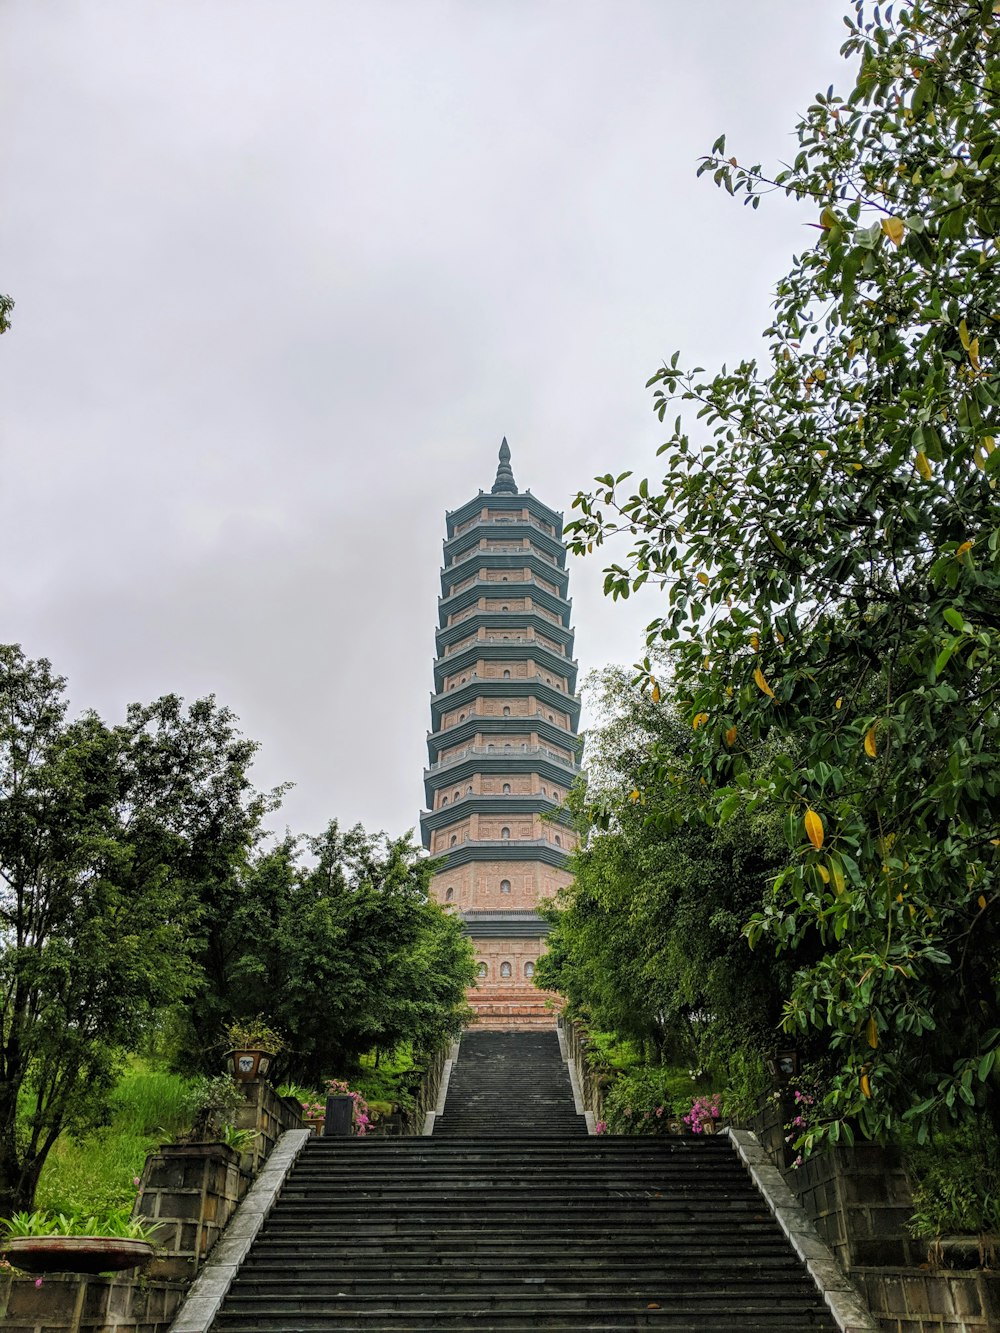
(248, 1065)
(200, 1148)
(77, 1254)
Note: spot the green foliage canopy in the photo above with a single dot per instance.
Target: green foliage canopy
(829, 549)
(647, 941)
(109, 837)
(342, 949)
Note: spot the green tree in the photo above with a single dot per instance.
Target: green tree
(343, 950)
(108, 838)
(6, 306)
(829, 548)
(647, 941)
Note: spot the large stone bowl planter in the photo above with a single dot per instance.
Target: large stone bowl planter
(76, 1254)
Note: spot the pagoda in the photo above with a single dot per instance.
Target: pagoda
(504, 747)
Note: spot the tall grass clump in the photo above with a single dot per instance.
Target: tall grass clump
(99, 1171)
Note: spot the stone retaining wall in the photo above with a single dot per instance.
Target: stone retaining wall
(87, 1305)
(591, 1084)
(859, 1200)
(188, 1192)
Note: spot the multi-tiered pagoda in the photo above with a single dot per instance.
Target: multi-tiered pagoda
(504, 747)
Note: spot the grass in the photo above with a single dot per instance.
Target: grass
(389, 1081)
(98, 1172)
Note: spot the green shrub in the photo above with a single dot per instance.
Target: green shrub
(956, 1184)
(607, 1051)
(644, 1099)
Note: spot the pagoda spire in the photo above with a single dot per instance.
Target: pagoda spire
(505, 483)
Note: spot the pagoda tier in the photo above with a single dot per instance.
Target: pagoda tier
(504, 748)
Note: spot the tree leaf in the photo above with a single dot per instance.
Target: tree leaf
(871, 750)
(837, 872)
(894, 229)
(762, 684)
(871, 1033)
(814, 828)
(922, 465)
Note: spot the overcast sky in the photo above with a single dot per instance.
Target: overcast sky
(286, 271)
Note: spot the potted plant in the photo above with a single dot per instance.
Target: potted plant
(253, 1044)
(210, 1102)
(99, 1243)
(314, 1113)
(704, 1115)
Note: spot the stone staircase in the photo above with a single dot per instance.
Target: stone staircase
(511, 1218)
(509, 1083)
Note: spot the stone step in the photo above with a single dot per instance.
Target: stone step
(590, 1321)
(694, 1311)
(400, 1290)
(288, 1260)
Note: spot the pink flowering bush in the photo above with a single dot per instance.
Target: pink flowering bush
(650, 1100)
(802, 1121)
(704, 1111)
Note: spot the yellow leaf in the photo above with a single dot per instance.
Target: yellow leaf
(966, 546)
(633, 795)
(820, 374)
(866, 1087)
(982, 903)
(703, 580)
(824, 874)
(840, 703)
(871, 750)
(814, 828)
(755, 640)
(922, 465)
(837, 871)
(899, 897)
(699, 719)
(762, 684)
(963, 334)
(779, 636)
(655, 693)
(974, 353)
(894, 228)
(731, 737)
(871, 1032)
